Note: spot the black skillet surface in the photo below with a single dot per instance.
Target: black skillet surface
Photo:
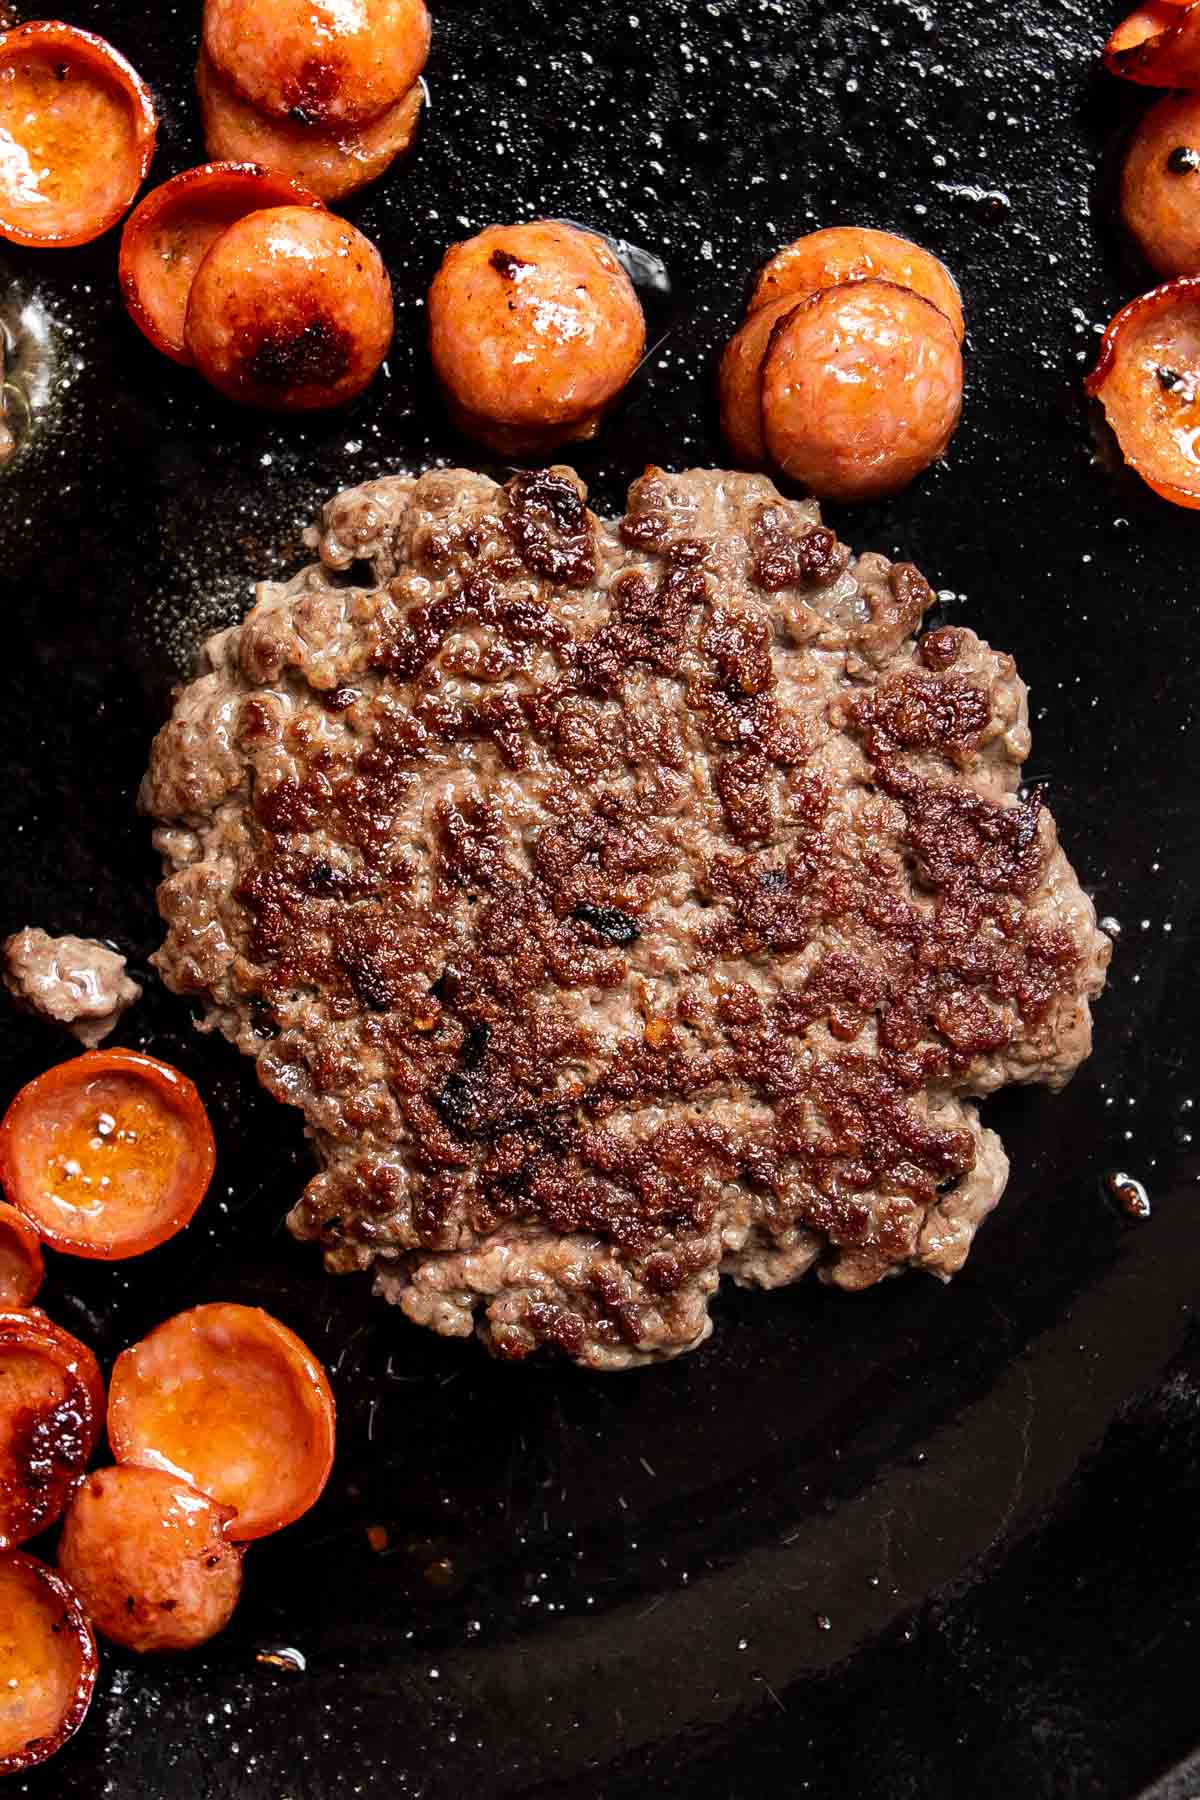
(921, 1543)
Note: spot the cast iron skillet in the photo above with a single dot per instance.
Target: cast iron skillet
(924, 1542)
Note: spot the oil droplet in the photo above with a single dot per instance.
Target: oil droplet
(1129, 1194)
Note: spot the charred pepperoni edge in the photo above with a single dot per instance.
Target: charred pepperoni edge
(96, 51)
(39, 1750)
(1166, 57)
(278, 190)
(82, 1410)
(169, 1084)
(1184, 288)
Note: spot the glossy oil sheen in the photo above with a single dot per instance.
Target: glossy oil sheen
(917, 1544)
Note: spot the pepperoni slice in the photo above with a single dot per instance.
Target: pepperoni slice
(108, 1155)
(1158, 45)
(323, 62)
(331, 164)
(148, 1556)
(534, 331)
(77, 130)
(291, 310)
(840, 253)
(861, 390)
(48, 1663)
(21, 1267)
(167, 234)
(1148, 382)
(1160, 185)
(231, 1401)
(51, 1411)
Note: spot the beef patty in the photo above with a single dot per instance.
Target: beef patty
(624, 904)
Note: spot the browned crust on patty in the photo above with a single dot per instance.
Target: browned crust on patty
(622, 904)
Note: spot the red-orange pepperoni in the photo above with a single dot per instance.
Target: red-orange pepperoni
(1148, 381)
(108, 1155)
(168, 233)
(332, 164)
(21, 1267)
(48, 1663)
(1160, 185)
(149, 1558)
(322, 62)
(1157, 45)
(862, 388)
(290, 310)
(233, 1402)
(51, 1411)
(77, 130)
(841, 253)
(534, 330)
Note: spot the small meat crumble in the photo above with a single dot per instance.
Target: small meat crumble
(77, 982)
(625, 904)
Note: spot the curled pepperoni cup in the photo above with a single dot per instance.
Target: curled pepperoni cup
(862, 389)
(21, 1267)
(48, 1663)
(331, 164)
(148, 1556)
(741, 381)
(534, 330)
(168, 233)
(51, 1411)
(1157, 45)
(77, 130)
(291, 310)
(320, 62)
(1148, 382)
(107, 1155)
(1160, 185)
(843, 253)
(230, 1400)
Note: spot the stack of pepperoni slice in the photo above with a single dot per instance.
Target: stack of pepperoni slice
(326, 91)
(234, 268)
(847, 373)
(241, 273)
